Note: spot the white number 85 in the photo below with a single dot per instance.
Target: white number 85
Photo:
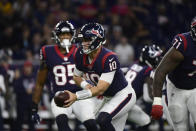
(62, 72)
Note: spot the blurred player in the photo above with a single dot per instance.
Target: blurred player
(57, 60)
(102, 67)
(23, 86)
(180, 65)
(139, 74)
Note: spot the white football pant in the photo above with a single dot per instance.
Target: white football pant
(119, 105)
(181, 103)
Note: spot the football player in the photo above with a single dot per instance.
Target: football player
(57, 60)
(138, 74)
(180, 65)
(102, 66)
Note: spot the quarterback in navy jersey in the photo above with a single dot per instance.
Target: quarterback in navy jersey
(137, 75)
(179, 64)
(57, 61)
(102, 67)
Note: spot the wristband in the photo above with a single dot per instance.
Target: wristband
(34, 107)
(83, 94)
(83, 84)
(157, 101)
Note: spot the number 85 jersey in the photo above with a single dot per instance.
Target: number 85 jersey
(106, 61)
(60, 68)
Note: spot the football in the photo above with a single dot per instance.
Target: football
(60, 97)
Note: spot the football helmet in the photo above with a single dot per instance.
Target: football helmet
(193, 28)
(150, 55)
(61, 28)
(93, 32)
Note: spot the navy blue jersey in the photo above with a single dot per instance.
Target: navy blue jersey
(184, 76)
(60, 68)
(3, 71)
(136, 76)
(106, 61)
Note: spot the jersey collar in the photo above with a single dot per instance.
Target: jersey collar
(64, 55)
(85, 57)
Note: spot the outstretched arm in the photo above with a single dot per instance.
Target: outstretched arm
(102, 85)
(41, 78)
(40, 81)
(170, 61)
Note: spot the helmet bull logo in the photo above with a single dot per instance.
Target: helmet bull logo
(95, 32)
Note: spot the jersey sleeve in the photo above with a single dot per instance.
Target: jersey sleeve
(43, 53)
(77, 60)
(110, 63)
(78, 72)
(180, 43)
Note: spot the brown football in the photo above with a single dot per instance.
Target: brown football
(60, 97)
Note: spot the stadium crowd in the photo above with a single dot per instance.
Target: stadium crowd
(25, 26)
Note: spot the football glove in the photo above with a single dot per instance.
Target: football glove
(35, 115)
(157, 108)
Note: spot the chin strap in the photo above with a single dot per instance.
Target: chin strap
(67, 49)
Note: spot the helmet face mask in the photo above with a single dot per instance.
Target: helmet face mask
(92, 37)
(193, 28)
(151, 56)
(62, 28)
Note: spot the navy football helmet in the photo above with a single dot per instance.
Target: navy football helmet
(193, 28)
(94, 33)
(150, 55)
(61, 28)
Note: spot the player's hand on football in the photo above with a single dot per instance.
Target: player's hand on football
(71, 100)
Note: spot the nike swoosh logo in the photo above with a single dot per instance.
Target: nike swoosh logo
(111, 59)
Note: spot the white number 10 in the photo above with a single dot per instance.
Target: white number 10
(113, 65)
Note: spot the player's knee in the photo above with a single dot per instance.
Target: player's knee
(104, 118)
(145, 120)
(177, 113)
(61, 119)
(91, 125)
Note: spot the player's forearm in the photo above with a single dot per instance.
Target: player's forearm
(100, 88)
(96, 91)
(37, 93)
(158, 81)
(40, 81)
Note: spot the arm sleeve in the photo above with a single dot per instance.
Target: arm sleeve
(111, 63)
(108, 77)
(42, 54)
(77, 72)
(180, 43)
